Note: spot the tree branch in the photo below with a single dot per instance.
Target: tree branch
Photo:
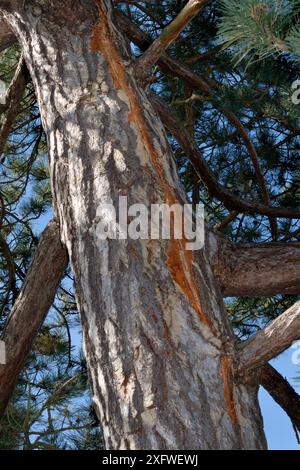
(7, 37)
(170, 66)
(255, 161)
(256, 270)
(31, 307)
(227, 220)
(206, 85)
(167, 37)
(13, 98)
(193, 153)
(282, 392)
(271, 341)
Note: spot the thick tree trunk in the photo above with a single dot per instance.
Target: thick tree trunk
(159, 347)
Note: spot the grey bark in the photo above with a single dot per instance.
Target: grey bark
(159, 347)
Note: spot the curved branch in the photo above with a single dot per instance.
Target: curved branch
(253, 154)
(13, 100)
(282, 392)
(256, 164)
(11, 268)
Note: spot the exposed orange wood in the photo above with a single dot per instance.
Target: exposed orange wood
(226, 373)
(179, 260)
(180, 263)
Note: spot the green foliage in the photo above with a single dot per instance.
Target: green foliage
(293, 42)
(51, 407)
(258, 29)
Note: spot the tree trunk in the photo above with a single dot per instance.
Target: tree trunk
(159, 348)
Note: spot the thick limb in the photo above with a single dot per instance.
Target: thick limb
(31, 308)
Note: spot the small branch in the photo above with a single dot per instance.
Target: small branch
(11, 268)
(168, 65)
(291, 235)
(31, 308)
(204, 56)
(229, 218)
(271, 341)
(167, 37)
(257, 166)
(252, 152)
(282, 392)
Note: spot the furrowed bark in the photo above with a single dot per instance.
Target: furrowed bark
(31, 307)
(159, 347)
(282, 392)
(255, 270)
(271, 341)
(167, 37)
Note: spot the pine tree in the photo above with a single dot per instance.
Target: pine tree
(223, 91)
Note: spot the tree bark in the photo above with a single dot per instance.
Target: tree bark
(7, 37)
(13, 99)
(255, 270)
(159, 347)
(271, 341)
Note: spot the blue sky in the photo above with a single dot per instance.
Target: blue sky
(278, 428)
